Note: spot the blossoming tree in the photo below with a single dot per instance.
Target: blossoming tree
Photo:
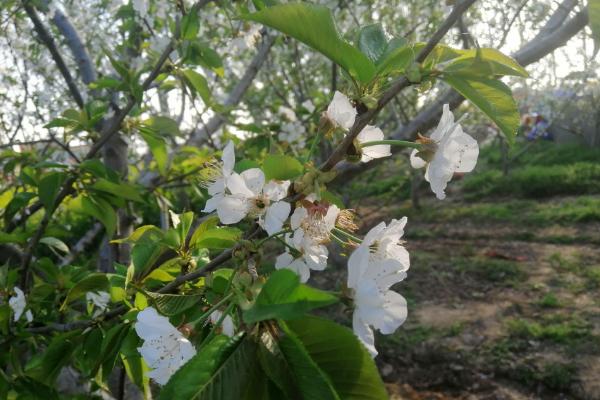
(218, 303)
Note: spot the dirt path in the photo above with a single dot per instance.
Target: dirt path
(496, 311)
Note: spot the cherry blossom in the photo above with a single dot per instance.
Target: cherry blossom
(249, 195)
(218, 175)
(378, 263)
(18, 303)
(227, 326)
(340, 111)
(446, 151)
(164, 349)
(372, 133)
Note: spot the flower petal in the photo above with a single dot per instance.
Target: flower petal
(364, 333)
(415, 161)
(232, 209)
(228, 159)
(341, 112)
(276, 216)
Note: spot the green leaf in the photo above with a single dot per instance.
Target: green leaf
(190, 24)
(55, 243)
(95, 282)
(215, 237)
(594, 19)
(100, 209)
(492, 97)
(245, 164)
(312, 381)
(485, 62)
(281, 167)
(18, 201)
(144, 255)
(123, 190)
(372, 41)
(275, 365)
(171, 304)
(158, 148)
(46, 368)
(220, 370)
(398, 59)
(338, 352)
(198, 85)
(146, 233)
(314, 26)
(49, 187)
(164, 126)
(284, 297)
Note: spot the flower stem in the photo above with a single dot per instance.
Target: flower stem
(272, 236)
(402, 143)
(212, 309)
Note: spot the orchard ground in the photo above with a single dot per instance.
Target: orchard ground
(504, 279)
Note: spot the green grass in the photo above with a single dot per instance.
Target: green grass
(497, 271)
(535, 181)
(558, 376)
(555, 330)
(565, 211)
(549, 301)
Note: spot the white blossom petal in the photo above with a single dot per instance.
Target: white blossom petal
(17, 303)
(415, 161)
(276, 215)
(341, 112)
(254, 180)
(276, 190)
(228, 158)
(364, 333)
(232, 209)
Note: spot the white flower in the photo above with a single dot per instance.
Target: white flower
(219, 175)
(17, 303)
(165, 349)
(292, 132)
(227, 326)
(310, 255)
(379, 262)
(448, 150)
(287, 113)
(372, 133)
(99, 299)
(316, 221)
(308, 106)
(250, 196)
(341, 112)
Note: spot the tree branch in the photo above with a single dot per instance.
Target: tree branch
(48, 41)
(363, 119)
(530, 53)
(236, 94)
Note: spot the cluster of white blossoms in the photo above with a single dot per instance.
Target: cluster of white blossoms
(18, 303)
(377, 263)
(342, 114)
(311, 223)
(237, 196)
